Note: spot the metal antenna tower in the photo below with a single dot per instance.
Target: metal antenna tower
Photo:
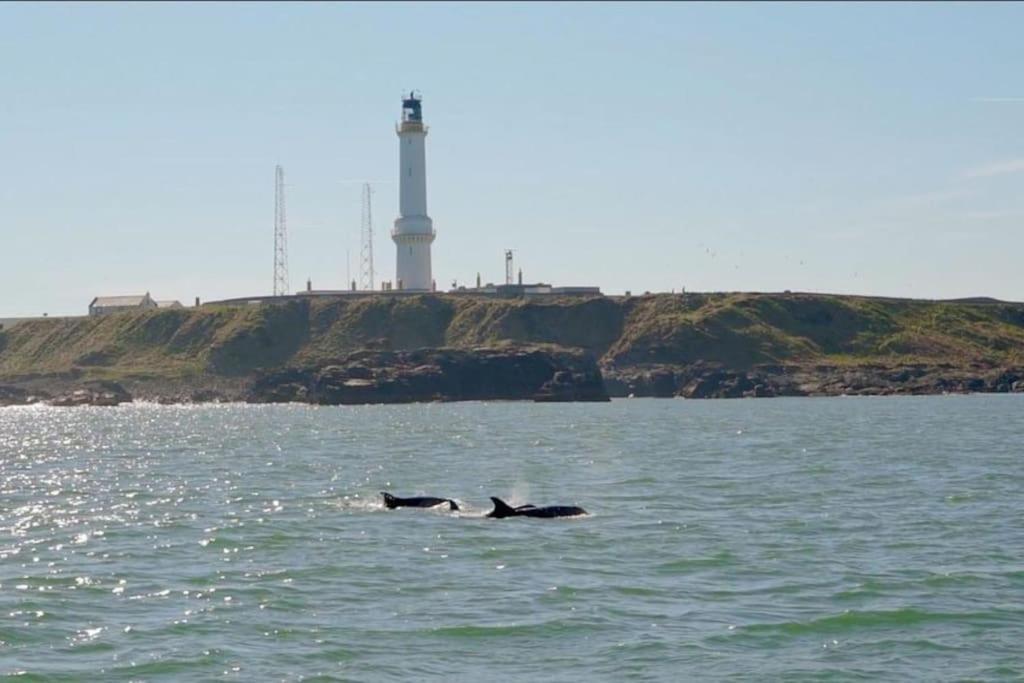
(366, 266)
(280, 236)
(508, 266)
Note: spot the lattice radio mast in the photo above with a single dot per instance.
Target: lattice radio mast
(280, 236)
(366, 265)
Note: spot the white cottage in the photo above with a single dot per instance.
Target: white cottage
(104, 305)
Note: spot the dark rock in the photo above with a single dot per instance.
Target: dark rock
(659, 382)
(663, 384)
(206, 396)
(713, 380)
(616, 387)
(974, 384)
(95, 393)
(562, 377)
(78, 397)
(437, 375)
(761, 391)
(569, 386)
(359, 372)
(13, 396)
(717, 383)
(1005, 381)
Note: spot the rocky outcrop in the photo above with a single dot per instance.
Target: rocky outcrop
(436, 375)
(95, 393)
(567, 385)
(187, 397)
(17, 396)
(709, 380)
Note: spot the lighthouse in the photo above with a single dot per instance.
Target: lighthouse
(414, 231)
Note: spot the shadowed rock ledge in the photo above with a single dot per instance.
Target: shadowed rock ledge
(90, 393)
(711, 380)
(436, 375)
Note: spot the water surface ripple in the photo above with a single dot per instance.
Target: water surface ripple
(782, 539)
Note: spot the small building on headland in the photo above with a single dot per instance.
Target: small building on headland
(105, 305)
(169, 304)
(539, 289)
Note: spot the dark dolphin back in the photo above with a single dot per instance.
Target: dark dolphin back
(392, 502)
(503, 509)
(552, 511)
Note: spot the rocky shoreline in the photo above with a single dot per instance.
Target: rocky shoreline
(431, 375)
(363, 377)
(710, 380)
(436, 375)
(442, 347)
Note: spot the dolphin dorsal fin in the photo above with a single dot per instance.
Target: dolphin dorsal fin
(501, 508)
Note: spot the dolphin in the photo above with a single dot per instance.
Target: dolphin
(503, 509)
(392, 502)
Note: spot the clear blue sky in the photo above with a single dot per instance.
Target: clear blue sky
(861, 148)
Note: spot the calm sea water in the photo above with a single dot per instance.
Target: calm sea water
(779, 539)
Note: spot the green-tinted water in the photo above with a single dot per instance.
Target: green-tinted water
(781, 539)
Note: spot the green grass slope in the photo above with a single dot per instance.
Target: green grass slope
(737, 330)
(743, 330)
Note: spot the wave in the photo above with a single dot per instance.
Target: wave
(689, 564)
(546, 628)
(853, 620)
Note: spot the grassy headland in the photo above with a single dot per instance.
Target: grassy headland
(635, 338)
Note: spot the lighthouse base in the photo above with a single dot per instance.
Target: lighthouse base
(413, 266)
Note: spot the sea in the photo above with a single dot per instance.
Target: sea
(783, 539)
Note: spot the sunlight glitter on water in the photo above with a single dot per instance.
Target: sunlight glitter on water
(776, 539)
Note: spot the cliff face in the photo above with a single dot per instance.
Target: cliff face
(661, 344)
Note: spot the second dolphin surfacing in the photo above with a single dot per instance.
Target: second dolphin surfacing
(503, 509)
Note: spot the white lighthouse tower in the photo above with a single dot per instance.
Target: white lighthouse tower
(414, 231)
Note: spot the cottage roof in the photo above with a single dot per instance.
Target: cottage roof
(111, 301)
